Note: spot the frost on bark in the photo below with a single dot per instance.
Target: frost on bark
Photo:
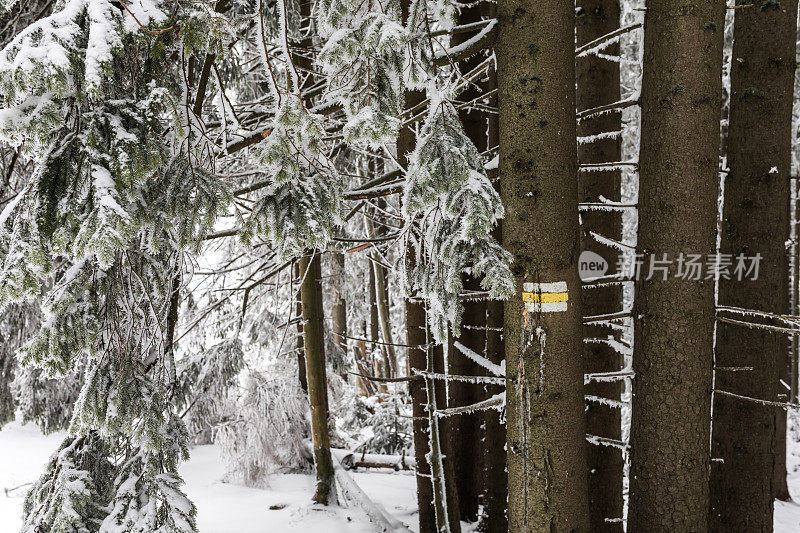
(314, 344)
(674, 318)
(547, 476)
(599, 84)
(755, 221)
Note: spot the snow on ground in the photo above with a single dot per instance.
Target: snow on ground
(285, 506)
(787, 514)
(282, 507)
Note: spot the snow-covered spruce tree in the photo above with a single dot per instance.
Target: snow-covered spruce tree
(449, 195)
(91, 93)
(362, 58)
(449, 204)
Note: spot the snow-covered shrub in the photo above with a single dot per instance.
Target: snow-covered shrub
(264, 427)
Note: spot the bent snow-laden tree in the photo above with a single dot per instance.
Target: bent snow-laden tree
(97, 233)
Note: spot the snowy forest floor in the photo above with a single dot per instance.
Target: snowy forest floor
(283, 506)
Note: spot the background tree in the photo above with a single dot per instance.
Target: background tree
(755, 221)
(681, 93)
(600, 136)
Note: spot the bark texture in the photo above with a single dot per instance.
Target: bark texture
(755, 221)
(674, 318)
(298, 309)
(547, 475)
(314, 343)
(599, 84)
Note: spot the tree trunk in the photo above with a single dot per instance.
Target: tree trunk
(314, 342)
(339, 308)
(417, 338)
(298, 307)
(547, 476)
(464, 434)
(779, 475)
(599, 84)
(756, 221)
(794, 277)
(494, 477)
(378, 364)
(673, 353)
(381, 292)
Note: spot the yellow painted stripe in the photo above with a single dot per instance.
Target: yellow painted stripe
(546, 297)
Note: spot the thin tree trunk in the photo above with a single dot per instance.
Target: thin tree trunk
(547, 475)
(339, 308)
(384, 319)
(494, 477)
(756, 221)
(779, 474)
(599, 84)
(794, 278)
(314, 343)
(298, 306)
(378, 364)
(381, 292)
(671, 418)
(417, 360)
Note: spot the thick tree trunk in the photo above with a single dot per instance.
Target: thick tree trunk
(755, 221)
(599, 84)
(547, 475)
(314, 343)
(681, 99)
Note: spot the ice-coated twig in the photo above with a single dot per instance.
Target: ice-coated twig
(612, 166)
(497, 370)
(466, 379)
(608, 108)
(754, 325)
(618, 375)
(770, 403)
(606, 401)
(498, 401)
(603, 441)
(606, 40)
